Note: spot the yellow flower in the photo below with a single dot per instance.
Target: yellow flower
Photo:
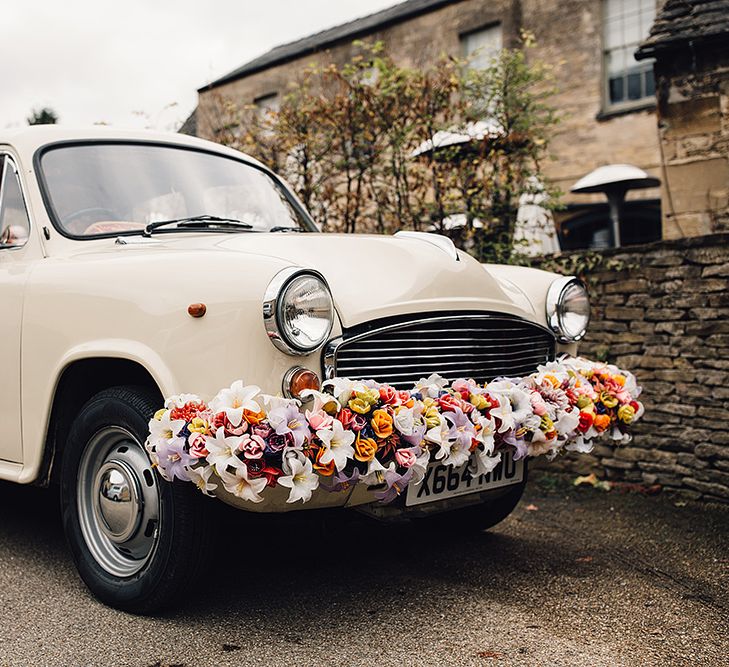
(370, 396)
(620, 379)
(479, 401)
(608, 400)
(359, 405)
(159, 414)
(601, 422)
(198, 425)
(431, 417)
(626, 413)
(547, 424)
(583, 402)
(552, 380)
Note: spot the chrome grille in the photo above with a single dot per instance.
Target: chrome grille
(478, 346)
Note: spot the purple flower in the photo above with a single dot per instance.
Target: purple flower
(519, 444)
(173, 458)
(288, 419)
(358, 423)
(461, 430)
(341, 482)
(416, 437)
(275, 443)
(396, 484)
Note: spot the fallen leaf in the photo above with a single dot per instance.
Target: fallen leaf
(584, 559)
(531, 508)
(680, 503)
(489, 654)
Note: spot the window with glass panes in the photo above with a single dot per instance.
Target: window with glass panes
(626, 23)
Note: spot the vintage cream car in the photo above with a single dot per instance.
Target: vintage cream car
(134, 266)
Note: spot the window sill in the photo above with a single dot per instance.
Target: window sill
(608, 114)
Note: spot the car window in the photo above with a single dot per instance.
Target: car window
(112, 188)
(14, 222)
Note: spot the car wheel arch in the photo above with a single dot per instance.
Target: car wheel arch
(79, 381)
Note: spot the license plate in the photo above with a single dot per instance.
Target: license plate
(442, 482)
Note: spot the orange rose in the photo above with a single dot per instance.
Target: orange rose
(253, 418)
(324, 469)
(601, 422)
(365, 449)
(381, 423)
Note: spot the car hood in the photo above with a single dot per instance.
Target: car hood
(378, 276)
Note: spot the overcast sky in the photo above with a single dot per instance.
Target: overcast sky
(137, 63)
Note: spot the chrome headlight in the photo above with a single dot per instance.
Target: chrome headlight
(568, 309)
(298, 311)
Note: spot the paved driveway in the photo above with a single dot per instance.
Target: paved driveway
(571, 578)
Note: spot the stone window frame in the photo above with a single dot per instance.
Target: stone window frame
(491, 25)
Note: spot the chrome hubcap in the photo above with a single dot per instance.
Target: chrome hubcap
(118, 502)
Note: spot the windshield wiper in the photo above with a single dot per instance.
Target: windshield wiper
(282, 228)
(198, 221)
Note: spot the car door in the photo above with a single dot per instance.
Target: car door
(14, 268)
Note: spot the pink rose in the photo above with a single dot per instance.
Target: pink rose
(405, 458)
(198, 449)
(252, 447)
(538, 405)
(319, 420)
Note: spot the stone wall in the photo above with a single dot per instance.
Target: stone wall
(662, 311)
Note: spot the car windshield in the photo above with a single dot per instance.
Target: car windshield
(111, 189)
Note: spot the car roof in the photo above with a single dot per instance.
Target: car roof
(27, 140)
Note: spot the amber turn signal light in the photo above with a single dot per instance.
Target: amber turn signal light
(197, 309)
(297, 379)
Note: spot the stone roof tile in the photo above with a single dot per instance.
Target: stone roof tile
(683, 21)
(322, 40)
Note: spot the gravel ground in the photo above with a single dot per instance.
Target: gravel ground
(573, 577)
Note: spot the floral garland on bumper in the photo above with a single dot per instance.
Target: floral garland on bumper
(370, 433)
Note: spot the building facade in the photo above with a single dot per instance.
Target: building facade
(690, 45)
(605, 97)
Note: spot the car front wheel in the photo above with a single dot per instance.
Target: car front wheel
(135, 538)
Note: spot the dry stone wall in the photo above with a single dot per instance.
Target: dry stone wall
(662, 311)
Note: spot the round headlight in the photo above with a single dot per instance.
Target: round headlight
(568, 309)
(298, 311)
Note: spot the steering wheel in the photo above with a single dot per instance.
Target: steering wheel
(106, 213)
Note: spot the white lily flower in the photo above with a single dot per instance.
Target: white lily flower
(322, 401)
(504, 412)
(337, 444)
(276, 402)
(180, 400)
(430, 386)
(376, 473)
(222, 451)
(483, 462)
(579, 444)
(164, 428)
(438, 433)
(567, 422)
(234, 400)
(200, 477)
(242, 487)
(419, 467)
(302, 481)
(486, 435)
(343, 388)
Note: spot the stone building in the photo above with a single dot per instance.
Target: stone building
(690, 44)
(606, 97)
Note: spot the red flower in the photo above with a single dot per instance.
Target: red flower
(586, 420)
(449, 403)
(188, 412)
(346, 417)
(388, 395)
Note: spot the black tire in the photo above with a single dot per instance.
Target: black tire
(480, 517)
(176, 540)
